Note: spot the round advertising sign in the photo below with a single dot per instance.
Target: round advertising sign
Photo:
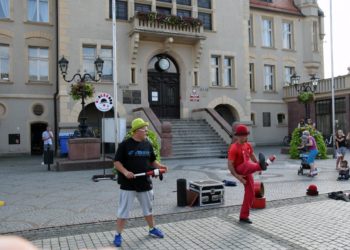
(104, 102)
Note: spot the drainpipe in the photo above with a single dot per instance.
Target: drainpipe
(57, 85)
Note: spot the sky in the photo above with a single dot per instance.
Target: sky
(341, 36)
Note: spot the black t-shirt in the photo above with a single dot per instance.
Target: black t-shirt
(136, 157)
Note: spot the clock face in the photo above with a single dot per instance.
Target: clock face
(164, 64)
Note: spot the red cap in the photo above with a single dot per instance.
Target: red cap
(242, 130)
(312, 190)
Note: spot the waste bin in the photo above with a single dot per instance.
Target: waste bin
(63, 138)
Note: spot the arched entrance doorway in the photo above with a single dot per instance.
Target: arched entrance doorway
(36, 131)
(164, 87)
(227, 112)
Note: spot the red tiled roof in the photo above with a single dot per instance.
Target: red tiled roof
(284, 6)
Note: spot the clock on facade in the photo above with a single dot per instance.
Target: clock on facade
(163, 64)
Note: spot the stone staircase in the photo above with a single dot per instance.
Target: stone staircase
(196, 139)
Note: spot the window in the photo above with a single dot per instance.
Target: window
(214, 62)
(288, 72)
(269, 77)
(250, 31)
(204, 4)
(281, 119)
(314, 36)
(206, 20)
(195, 78)
(4, 62)
(142, 7)
(228, 71)
(267, 33)
(164, 11)
(165, 1)
(4, 9)
(184, 2)
(38, 64)
(287, 35)
(252, 118)
(107, 56)
(266, 119)
(89, 57)
(251, 77)
(121, 10)
(267, 1)
(38, 10)
(183, 13)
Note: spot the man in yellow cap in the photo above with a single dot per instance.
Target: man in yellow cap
(135, 155)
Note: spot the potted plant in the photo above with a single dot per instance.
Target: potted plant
(80, 88)
(306, 97)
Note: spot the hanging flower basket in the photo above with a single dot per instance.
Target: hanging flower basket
(306, 97)
(78, 89)
(169, 19)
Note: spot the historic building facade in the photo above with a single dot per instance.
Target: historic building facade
(236, 61)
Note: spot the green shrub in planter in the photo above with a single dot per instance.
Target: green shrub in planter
(296, 141)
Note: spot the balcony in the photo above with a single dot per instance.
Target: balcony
(157, 27)
(324, 88)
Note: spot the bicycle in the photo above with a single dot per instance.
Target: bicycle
(328, 141)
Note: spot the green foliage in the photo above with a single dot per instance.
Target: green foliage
(305, 97)
(79, 88)
(296, 142)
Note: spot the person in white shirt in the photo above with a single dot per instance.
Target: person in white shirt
(47, 138)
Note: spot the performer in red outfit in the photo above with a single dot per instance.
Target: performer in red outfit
(242, 163)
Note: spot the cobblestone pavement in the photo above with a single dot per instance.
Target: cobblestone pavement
(66, 210)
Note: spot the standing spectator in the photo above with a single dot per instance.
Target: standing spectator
(47, 138)
(340, 145)
(301, 123)
(313, 151)
(310, 123)
(135, 155)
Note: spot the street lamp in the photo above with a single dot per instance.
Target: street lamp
(63, 64)
(304, 87)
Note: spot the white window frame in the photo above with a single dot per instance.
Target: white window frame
(38, 12)
(287, 35)
(38, 60)
(215, 70)
(252, 76)
(3, 58)
(228, 72)
(6, 15)
(288, 72)
(267, 33)
(89, 61)
(251, 31)
(107, 60)
(269, 77)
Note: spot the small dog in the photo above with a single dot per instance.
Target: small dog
(343, 171)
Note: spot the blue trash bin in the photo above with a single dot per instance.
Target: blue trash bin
(63, 138)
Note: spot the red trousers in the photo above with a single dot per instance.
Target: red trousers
(247, 169)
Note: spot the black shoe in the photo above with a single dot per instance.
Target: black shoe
(262, 161)
(246, 220)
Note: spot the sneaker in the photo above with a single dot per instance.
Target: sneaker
(118, 240)
(156, 232)
(271, 159)
(245, 220)
(262, 161)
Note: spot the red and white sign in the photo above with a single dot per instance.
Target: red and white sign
(194, 97)
(104, 102)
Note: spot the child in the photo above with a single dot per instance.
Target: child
(343, 171)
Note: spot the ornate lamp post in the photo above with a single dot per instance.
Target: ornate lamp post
(304, 89)
(82, 79)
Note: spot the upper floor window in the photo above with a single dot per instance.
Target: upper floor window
(214, 63)
(4, 8)
(228, 71)
(251, 77)
(107, 56)
(166, 1)
(287, 35)
(38, 64)
(269, 77)
(250, 31)
(206, 20)
(183, 2)
(314, 36)
(121, 9)
(38, 10)
(183, 13)
(89, 57)
(204, 4)
(142, 7)
(267, 40)
(288, 72)
(164, 11)
(4, 62)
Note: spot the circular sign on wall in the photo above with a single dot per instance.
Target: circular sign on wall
(104, 102)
